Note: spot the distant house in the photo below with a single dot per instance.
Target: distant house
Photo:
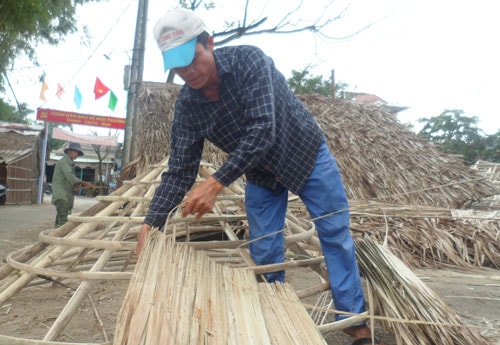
(20, 161)
(360, 97)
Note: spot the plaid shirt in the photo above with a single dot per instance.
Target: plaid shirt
(267, 132)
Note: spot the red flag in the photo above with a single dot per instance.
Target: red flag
(60, 91)
(100, 89)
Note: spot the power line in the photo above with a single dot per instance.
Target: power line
(85, 60)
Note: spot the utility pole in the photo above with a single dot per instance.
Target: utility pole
(136, 70)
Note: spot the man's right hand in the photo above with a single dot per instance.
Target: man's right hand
(87, 185)
(145, 229)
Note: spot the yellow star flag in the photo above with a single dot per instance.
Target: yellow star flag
(45, 87)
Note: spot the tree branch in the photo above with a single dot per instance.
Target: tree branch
(285, 25)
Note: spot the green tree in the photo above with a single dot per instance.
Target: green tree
(302, 82)
(455, 133)
(8, 113)
(492, 148)
(26, 23)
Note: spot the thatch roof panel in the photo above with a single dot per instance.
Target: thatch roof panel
(382, 159)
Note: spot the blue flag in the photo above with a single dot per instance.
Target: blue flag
(78, 98)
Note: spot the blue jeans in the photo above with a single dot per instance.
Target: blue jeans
(323, 195)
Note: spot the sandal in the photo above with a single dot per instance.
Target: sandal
(366, 341)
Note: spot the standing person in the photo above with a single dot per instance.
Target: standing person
(237, 99)
(64, 181)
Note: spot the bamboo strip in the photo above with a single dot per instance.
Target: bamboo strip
(342, 324)
(184, 301)
(218, 329)
(313, 290)
(85, 243)
(285, 265)
(207, 245)
(6, 340)
(165, 328)
(26, 253)
(34, 271)
(113, 197)
(200, 308)
(189, 219)
(151, 300)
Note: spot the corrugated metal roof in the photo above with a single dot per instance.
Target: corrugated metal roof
(20, 126)
(9, 156)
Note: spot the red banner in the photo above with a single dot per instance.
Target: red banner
(59, 116)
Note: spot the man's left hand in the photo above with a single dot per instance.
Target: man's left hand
(201, 199)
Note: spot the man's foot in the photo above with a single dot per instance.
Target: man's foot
(362, 335)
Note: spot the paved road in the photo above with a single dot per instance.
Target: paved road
(18, 217)
(20, 225)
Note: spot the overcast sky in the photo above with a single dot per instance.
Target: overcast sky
(428, 55)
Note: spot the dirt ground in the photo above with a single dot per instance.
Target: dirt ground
(473, 295)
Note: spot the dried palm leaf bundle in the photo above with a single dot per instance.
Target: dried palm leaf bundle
(425, 236)
(430, 237)
(180, 296)
(414, 313)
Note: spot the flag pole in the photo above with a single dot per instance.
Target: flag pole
(44, 158)
(136, 71)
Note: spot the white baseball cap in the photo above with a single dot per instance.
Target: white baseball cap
(176, 34)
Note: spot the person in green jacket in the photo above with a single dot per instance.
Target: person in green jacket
(63, 182)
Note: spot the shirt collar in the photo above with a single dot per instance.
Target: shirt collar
(222, 63)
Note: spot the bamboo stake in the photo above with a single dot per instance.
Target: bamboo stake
(84, 288)
(6, 340)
